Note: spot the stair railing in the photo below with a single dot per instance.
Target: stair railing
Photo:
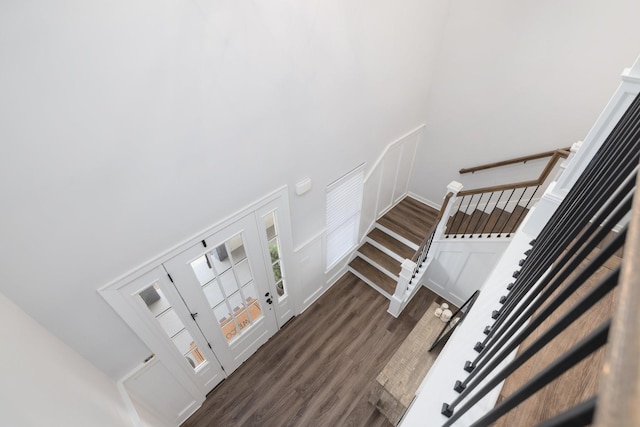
(559, 281)
(518, 197)
(561, 152)
(498, 210)
(413, 269)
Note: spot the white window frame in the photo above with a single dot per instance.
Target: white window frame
(344, 204)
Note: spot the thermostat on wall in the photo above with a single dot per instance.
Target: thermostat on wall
(303, 186)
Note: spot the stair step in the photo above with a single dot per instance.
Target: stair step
(410, 219)
(409, 243)
(504, 222)
(383, 240)
(498, 222)
(383, 260)
(366, 271)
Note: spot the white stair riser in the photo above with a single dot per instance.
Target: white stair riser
(397, 236)
(370, 283)
(378, 266)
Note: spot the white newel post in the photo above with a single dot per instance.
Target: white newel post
(454, 187)
(395, 306)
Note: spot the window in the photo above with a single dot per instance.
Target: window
(344, 201)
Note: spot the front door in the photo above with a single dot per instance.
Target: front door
(224, 283)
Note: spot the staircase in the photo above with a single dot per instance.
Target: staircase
(395, 237)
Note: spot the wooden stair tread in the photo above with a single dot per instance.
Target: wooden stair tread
(391, 243)
(498, 222)
(410, 219)
(376, 276)
(383, 260)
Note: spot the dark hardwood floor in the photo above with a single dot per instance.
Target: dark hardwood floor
(318, 370)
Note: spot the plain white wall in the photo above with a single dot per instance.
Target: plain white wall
(46, 383)
(129, 126)
(516, 78)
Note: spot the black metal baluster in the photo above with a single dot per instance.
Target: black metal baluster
(489, 215)
(600, 291)
(511, 213)
(503, 211)
(454, 230)
(587, 302)
(577, 353)
(593, 235)
(470, 216)
(526, 207)
(578, 416)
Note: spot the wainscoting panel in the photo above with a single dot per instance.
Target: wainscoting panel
(461, 267)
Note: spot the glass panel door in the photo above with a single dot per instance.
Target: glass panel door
(171, 324)
(223, 280)
(225, 276)
(154, 309)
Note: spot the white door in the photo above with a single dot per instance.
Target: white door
(167, 328)
(224, 282)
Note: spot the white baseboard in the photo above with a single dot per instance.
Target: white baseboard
(426, 201)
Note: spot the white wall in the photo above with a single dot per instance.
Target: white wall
(515, 78)
(46, 383)
(129, 126)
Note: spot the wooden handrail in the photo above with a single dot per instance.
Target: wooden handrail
(564, 152)
(432, 230)
(619, 397)
(557, 155)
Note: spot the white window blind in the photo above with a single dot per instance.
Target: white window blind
(344, 201)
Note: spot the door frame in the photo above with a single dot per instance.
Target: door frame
(160, 345)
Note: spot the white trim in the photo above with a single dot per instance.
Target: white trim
(187, 243)
(370, 283)
(128, 403)
(310, 241)
(388, 147)
(377, 266)
(424, 200)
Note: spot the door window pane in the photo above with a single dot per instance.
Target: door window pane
(213, 293)
(236, 247)
(251, 301)
(203, 270)
(222, 314)
(220, 258)
(228, 282)
(235, 301)
(270, 224)
(171, 324)
(244, 272)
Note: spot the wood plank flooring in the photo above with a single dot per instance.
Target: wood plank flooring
(319, 369)
(576, 384)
